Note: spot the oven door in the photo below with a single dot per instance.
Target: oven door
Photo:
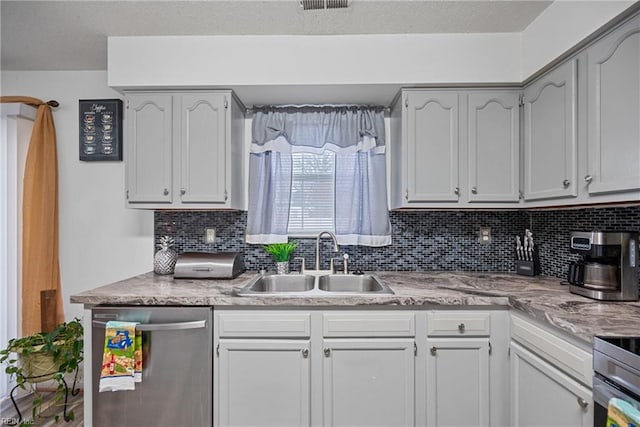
(602, 392)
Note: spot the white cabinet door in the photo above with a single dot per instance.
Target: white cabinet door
(368, 382)
(149, 148)
(550, 132)
(202, 150)
(543, 396)
(432, 146)
(264, 383)
(458, 382)
(494, 147)
(614, 111)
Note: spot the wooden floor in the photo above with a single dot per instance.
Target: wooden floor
(47, 420)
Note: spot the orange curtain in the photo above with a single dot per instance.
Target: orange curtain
(40, 265)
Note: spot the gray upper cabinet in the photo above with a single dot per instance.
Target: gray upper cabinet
(149, 131)
(202, 148)
(550, 135)
(185, 150)
(613, 137)
(429, 161)
(494, 147)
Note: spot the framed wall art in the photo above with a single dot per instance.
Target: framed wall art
(100, 129)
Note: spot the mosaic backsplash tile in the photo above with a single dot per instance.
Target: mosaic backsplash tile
(552, 230)
(422, 240)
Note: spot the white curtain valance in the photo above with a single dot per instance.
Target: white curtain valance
(316, 129)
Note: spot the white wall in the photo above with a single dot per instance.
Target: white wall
(561, 26)
(100, 241)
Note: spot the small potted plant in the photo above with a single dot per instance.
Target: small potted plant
(45, 356)
(281, 252)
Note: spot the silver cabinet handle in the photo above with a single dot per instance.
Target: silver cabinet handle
(566, 183)
(154, 327)
(583, 403)
(327, 352)
(433, 350)
(588, 179)
(474, 190)
(165, 192)
(461, 328)
(456, 190)
(305, 353)
(183, 191)
(406, 195)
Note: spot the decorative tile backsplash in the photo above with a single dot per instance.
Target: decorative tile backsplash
(552, 229)
(421, 240)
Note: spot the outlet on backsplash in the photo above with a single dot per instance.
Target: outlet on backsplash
(485, 235)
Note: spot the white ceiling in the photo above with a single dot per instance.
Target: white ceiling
(72, 35)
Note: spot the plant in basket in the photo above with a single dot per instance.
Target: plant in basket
(45, 356)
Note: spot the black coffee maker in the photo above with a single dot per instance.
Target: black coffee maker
(608, 270)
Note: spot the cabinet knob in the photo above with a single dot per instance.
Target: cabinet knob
(461, 328)
(588, 179)
(327, 352)
(165, 192)
(406, 195)
(566, 183)
(305, 353)
(456, 190)
(183, 191)
(583, 403)
(433, 350)
(474, 190)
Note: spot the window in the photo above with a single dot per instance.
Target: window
(316, 168)
(312, 207)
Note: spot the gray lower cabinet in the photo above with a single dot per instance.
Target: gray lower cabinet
(613, 137)
(368, 382)
(458, 382)
(544, 396)
(264, 383)
(184, 150)
(550, 135)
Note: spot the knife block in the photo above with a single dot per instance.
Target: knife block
(528, 268)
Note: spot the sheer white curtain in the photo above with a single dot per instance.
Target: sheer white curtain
(355, 135)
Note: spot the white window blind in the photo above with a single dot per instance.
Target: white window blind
(312, 207)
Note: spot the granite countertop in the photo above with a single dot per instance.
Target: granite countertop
(542, 298)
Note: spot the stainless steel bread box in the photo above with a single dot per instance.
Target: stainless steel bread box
(208, 265)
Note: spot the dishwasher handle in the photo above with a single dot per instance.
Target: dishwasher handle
(154, 327)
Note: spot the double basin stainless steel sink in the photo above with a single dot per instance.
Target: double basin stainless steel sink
(306, 285)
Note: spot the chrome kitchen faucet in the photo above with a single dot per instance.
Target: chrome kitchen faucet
(335, 249)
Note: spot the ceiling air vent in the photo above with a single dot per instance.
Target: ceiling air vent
(323, 4)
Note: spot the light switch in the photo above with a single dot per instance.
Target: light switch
(210, 236)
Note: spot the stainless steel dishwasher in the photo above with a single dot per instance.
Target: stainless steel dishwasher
(177, 377)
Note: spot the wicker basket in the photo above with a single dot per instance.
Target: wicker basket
(38, 366)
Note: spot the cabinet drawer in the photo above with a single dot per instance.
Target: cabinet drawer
(367, 324)
(567, 357)
(263, 325)
(473, 324)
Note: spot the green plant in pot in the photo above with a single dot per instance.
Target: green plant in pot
(45, 356)
(281, 253)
